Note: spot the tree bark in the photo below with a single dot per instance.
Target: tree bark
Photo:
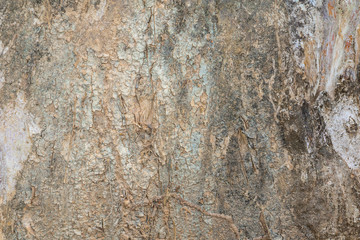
(179, 119)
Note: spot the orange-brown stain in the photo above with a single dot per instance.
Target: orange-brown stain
(331, 10)
(325, 50)
(310, 62)
(348, 43)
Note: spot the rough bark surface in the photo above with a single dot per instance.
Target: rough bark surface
(179, 119)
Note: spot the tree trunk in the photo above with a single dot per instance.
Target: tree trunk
(179, 119)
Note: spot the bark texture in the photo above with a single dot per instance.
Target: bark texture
(179, 119)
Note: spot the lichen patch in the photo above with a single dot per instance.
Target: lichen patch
(16, 128)
(341, 124)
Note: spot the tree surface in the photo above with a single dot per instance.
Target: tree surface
(179, 119)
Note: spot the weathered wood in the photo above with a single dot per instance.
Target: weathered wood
(179, 119)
